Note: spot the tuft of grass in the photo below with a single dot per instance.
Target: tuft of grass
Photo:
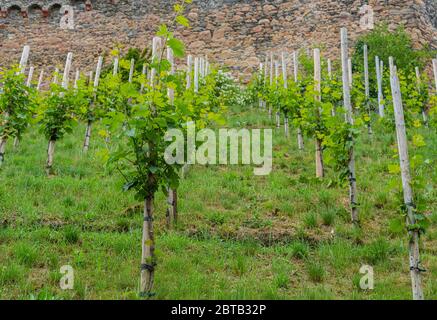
(11, 274)
(281, 281)
(316, 271)
(377, 251)
(26, 254)
(310, 220)
(328, 217)
(71, 234)
(299, 250)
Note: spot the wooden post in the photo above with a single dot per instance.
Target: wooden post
(24, 58)
(285, 79)
(200, 68)
(131, 70)
(349, 118)
(86, 143)
(55, 76)
(284, 69)
(40, 80)
(148, 250)
(189, 70)
(414, 254)
(367, 88)
(271, 82)
(300, 142)
(30, 76)
(260, 77)
(170, 59)
(379, 84)
(172, 213)
(434, 67)
(333, 111)
(66, 74)
(144, 74)
(206, 66)
(156, 43)
(76, 79)
(277, 114)
(90, 78)
(52, 142)
(317, 88)
(351, 76)
(366, 72)
(266, 69)
(418, 84)
(295, 66)
(196, 74)
(115, 69)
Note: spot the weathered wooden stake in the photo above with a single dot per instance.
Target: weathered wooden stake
(285, 79)
(90, 78)
(414, 254)
(196, 74)
(131, 70)
(52, 141)
(379, 84)
(24, 58)
(156, 44)
(333, 111)
(30, 76)
(144, 74)
(189, 70)
(300, 142)
(277, 114)
(349, 118)
(260, 77)
(367, 88)
(172, 210)
(434, 67)
(418, 81)
(40, 80)
(76, 79)
(55, 76)
(86, 143)
(115, 69)
(148, 250)
(317, 86)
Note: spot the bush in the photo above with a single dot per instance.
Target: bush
(385, 43)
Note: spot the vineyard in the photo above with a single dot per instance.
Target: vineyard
(347, 211)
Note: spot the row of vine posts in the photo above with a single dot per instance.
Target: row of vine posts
(269, 75)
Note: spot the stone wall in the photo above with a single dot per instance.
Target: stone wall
(234, 32)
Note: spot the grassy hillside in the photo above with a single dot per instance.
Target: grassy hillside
(282, 236)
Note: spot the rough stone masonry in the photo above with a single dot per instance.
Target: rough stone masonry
(234, 32)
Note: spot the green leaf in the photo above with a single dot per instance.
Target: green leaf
(177, 46)
(396, 226)
(182, 21)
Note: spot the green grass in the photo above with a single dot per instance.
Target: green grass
(283, 236)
